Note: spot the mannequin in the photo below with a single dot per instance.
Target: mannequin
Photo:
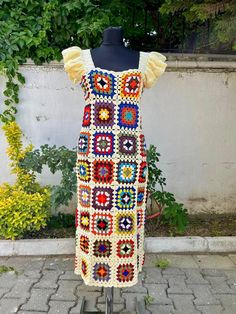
(112, 54)
(111, 164)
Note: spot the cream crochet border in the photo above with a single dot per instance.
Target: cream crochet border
(89, 64)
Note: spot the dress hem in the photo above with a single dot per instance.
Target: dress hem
(104, 284)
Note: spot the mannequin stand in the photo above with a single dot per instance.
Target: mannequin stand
(109, 294)
(109, 300)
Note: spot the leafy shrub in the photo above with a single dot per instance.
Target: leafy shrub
(25, 205)
(21, 211)
(169, 211)
(57, 159)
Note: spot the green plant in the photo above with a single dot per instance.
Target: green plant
(25, 205)
(5, 269)
(61, 220)
(169, 211)
(222, 15)
(148, 299)
(57, 159)
(162, 263)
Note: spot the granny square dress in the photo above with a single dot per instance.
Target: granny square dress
(111, 168)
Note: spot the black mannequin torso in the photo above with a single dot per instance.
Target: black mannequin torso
(112, 54)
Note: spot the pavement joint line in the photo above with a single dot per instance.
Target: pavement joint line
(233, 261)
(31, 287)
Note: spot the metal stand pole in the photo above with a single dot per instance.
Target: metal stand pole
(109, 300)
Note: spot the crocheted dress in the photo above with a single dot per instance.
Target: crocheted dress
(111, 168)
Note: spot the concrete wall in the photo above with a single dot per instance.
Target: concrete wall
(190, 115)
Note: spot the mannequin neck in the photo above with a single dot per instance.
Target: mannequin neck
(113, 36)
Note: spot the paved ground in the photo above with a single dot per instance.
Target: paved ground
(203, 284)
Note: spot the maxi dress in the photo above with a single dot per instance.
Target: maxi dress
(111, 168)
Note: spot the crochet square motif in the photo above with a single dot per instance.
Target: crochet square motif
(130, 86)
(128, 115)
(101, 272)
(103, 144)
(103, 171)
(125, 198)
(83, 170)
(127, 144)
(102, 248)
(102, 198)
(125, 248)
(84, 195)
(125, 272)
(125, 223)
(83, 143)
(127, 172)
(104, 113)
(101, 224)
(102, 84)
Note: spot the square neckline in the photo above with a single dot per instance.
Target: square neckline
(138, 69)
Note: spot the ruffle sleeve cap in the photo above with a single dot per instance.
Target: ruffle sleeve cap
(73, 63)
(155, 67)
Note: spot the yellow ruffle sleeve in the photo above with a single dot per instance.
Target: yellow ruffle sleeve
(73, 63)
(155, 67)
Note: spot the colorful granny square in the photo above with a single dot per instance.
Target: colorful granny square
(76, 262)
(125, 272)
(84, 220)
(125, 198)
(104, 113)
(87, 116)
(83, 143)
(143, 171)
(143, 147)
(103, 143)
(140, 218)
(127, 144)
(84, 243)
(102, 83)
(83, 170)
(130, 85)
(102, 248)
(138, 240)
(84, 193)
(127, 172)
(85, 87)
(84, 266)
(76, 217)
(101, 224)
(103, 171)
(140, 197)
(128, 115)
(125, 223)
(102, 198)
(101, 272)
(125, 248)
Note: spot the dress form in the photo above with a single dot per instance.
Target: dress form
(111, 207)
(112, 54)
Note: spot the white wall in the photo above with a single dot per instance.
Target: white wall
(190, 115)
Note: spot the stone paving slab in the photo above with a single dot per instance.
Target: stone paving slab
(210, 261)
(199, 284)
